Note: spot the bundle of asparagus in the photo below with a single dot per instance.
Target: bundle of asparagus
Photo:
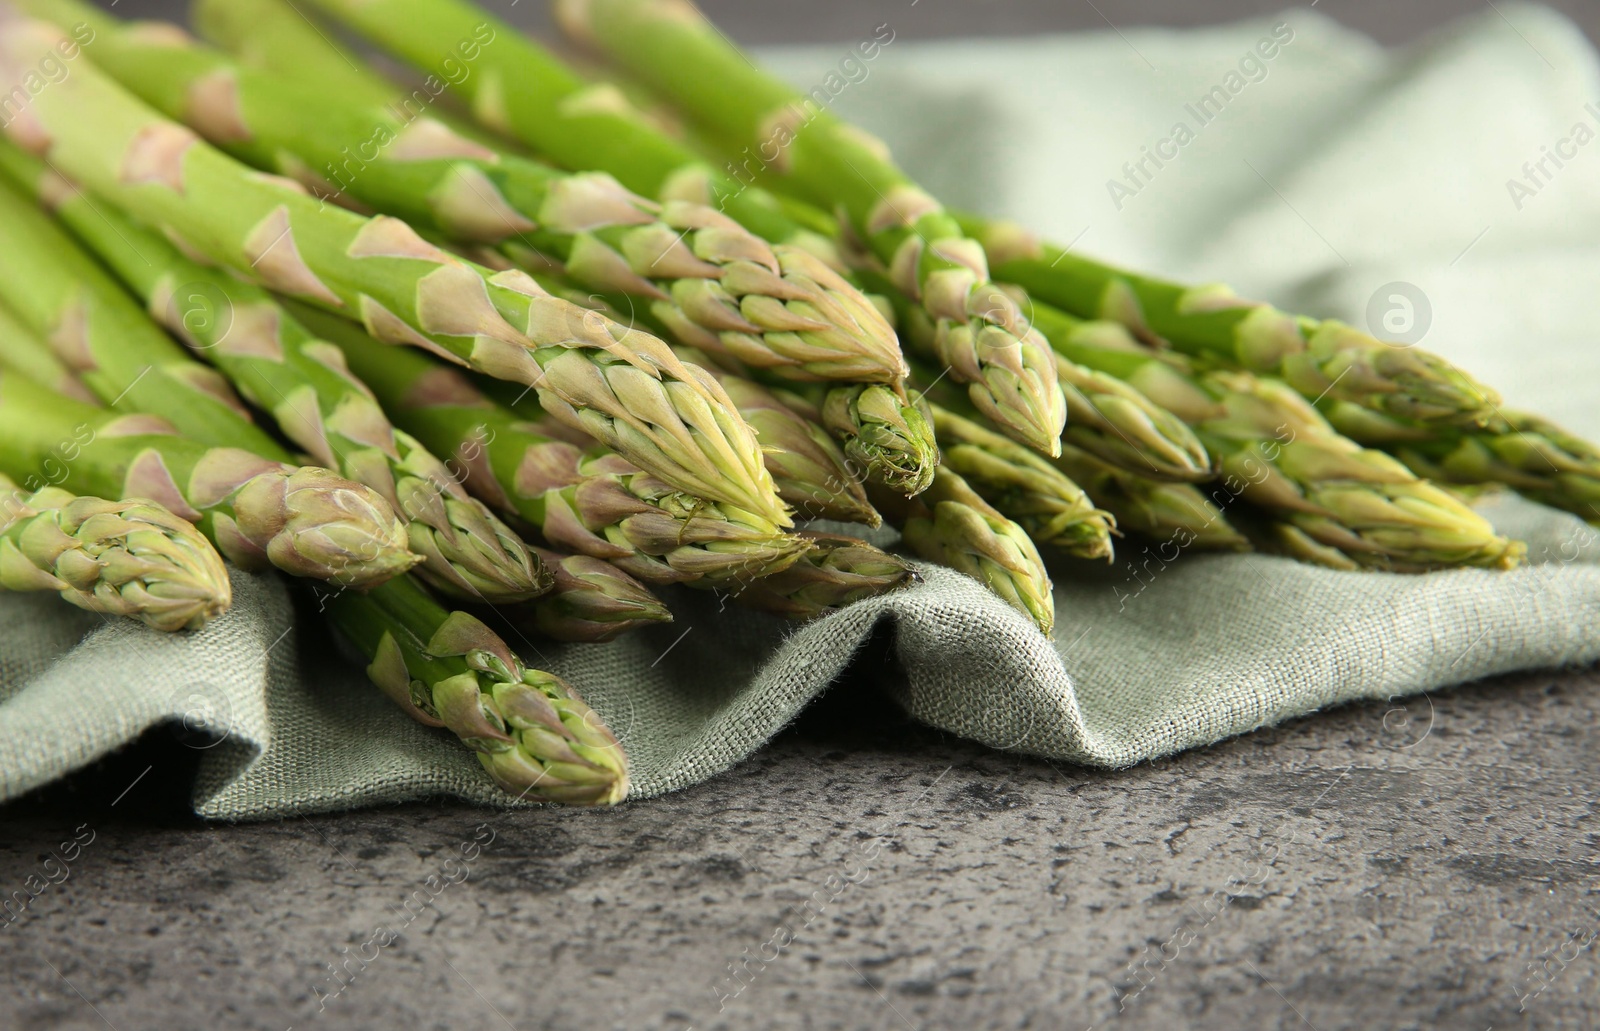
(590, 129)
(646, 367)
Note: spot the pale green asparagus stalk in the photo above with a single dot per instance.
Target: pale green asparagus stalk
(530, 730)
(879, 428)
(875, 424)
(713, 283)
(952, 525)
(1275, 451)
(515, 87)
(122, 558)
(1182, 513)
(1026, 487)
(592, 601)
(889, 436)
(810, 469)
(598, 505)
(836, 572)
(259, 513)
(1321, 358)
(64, 297)
(623, 387)
(1280, 538)
(1105, 416)
(269, 35)
(593, 503)
(813, 474)
(979, 333)
(469, 554)
(1531, 455)
(24, 354)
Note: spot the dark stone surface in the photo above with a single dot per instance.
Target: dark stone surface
(1368, 867)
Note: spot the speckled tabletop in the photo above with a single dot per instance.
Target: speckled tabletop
(1375, 866)
(1425, 867)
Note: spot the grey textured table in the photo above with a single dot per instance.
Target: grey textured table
(1370, 867)
(1376, 866)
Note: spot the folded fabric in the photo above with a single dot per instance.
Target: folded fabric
(1333, 170)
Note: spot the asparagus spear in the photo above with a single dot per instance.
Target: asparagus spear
(305, 521)
(874, 423)
(1289, 540)
(268, 35)
(1105, 416)
(97, 330)
(468, 553)
(836, 572)
(1320, 358)
(598, 505)
(888, 435)
(595, 504)
(813, 474)
(1182, 513)
(592, 601)
(1042, 499)
(623, 387)
(1533, 456)
(712, 282)
(123, 558)
(802, 428)
(517, 88)
(979, 333)
(529, 729)
(24, 354)
(1277, 452)
(952, 525)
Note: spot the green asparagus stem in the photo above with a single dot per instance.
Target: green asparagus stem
(268, 35)
(24, 354)
(306, 521)
(122, 558)
(1105, 416)
(99, 333)
(716, 285)
(890, 437)
(978, 332)
(469, 554)
(594, 504)
(529, 729)
(952, 525)
(592, 601)
(1320, 358)
(836, 572)
(876, 426)
(1027, 488)
(1182, 513)
(1277, 452)
(1292, 542)
(813, 474)
(623, 387)
(1533, 456)
(521, 90)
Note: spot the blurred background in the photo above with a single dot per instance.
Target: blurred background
(812, 21)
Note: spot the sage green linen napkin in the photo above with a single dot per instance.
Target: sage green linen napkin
(1334, 170)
